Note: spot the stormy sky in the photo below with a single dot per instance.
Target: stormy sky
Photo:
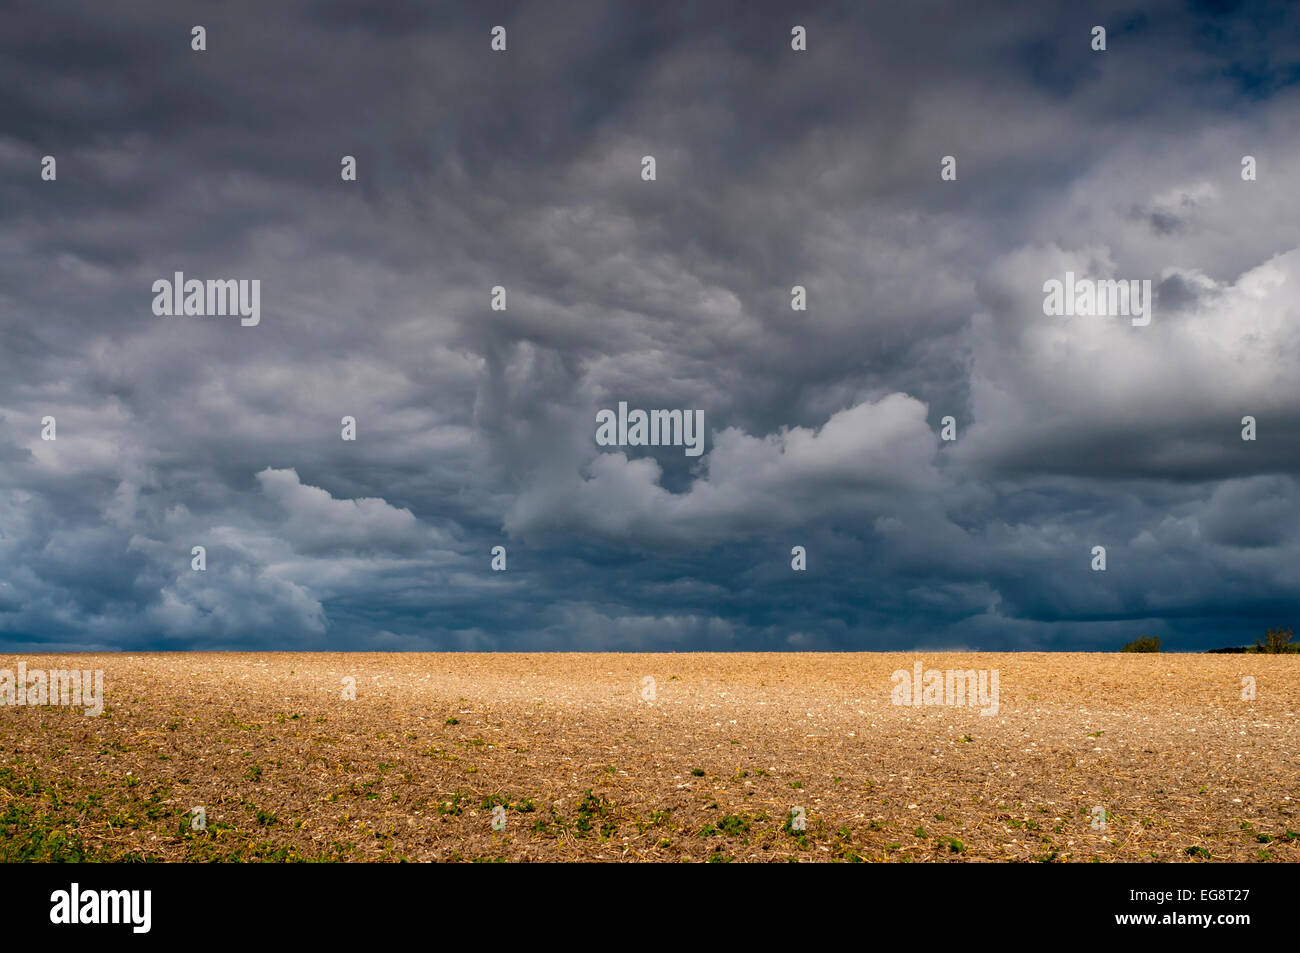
(476, 428)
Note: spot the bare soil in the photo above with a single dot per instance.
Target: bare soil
(587, 766)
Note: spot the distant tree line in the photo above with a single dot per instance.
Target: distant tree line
(1277, 641)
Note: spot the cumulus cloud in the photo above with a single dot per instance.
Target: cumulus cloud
(319, 523)
(748, 484)
(1087, 394)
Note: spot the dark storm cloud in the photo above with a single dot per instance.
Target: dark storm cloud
(476, 428)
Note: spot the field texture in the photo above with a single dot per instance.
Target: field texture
(745, 757)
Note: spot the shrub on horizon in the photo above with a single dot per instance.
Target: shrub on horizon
(1277, 642)
(1143, 643)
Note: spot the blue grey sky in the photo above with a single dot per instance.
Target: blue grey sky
(476, 428)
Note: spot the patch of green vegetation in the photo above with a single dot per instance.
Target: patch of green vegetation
(453, 807)
(1262, 838)
(249, 851)
(521, 806)
(735, 825)
(37, 836)
(594, 811)
(800, 836)
(40, 831)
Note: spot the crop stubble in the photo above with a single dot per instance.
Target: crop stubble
(286, 768)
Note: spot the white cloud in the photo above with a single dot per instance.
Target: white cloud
(748, 484)
(317, 521)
